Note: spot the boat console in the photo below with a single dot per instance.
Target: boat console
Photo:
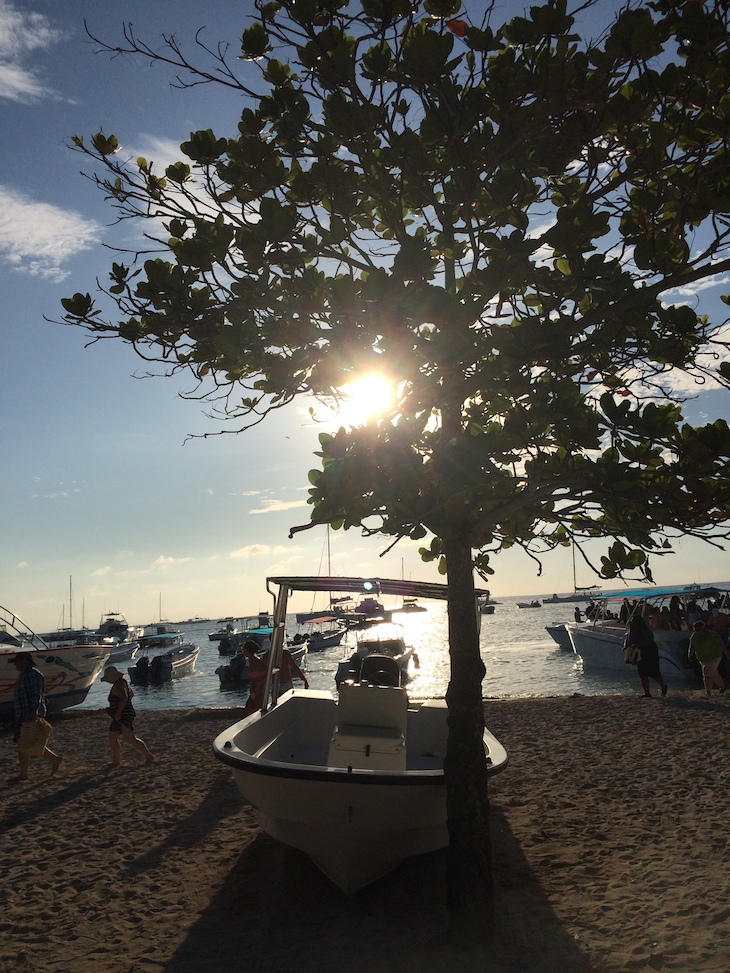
(370, 732)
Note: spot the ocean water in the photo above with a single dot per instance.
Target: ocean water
(520, 657)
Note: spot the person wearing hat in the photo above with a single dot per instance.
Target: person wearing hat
(29, 700)
(123, 714)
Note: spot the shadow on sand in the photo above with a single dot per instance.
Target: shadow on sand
(276, 913)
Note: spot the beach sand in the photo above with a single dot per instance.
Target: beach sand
(610, 852)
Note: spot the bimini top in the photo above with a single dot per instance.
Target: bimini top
(689, 591)
(369, 586)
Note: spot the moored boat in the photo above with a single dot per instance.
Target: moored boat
(173, 664)
(158, 635)
(387, 640)
(69, 669)
(600, 643)
(356, 783)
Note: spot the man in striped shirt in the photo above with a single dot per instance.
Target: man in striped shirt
(30, 705)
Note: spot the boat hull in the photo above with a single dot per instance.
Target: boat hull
(174, 664)
(69, 672)
(603, 649)
(355, 824)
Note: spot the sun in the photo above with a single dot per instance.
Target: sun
(367, 397)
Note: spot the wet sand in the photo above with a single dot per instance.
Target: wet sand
(610, 853)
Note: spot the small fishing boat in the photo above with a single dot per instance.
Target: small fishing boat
(381, 640)
(173, 664)
(321, 632)
(254, 628)
(235, 671)
(227, 628)
(529, 604)
(357, 782)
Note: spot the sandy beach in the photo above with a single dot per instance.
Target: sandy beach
(610, 848)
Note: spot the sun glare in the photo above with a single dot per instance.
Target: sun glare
(366, 398)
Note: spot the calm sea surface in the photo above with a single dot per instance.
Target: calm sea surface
(520, 657)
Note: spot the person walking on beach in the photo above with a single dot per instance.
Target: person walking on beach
(708, 648)
(123, 715)
(640, 636)
(29, 701)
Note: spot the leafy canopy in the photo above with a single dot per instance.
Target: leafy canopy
(499, 217)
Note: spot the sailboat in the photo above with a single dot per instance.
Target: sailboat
(407, 604)
(66, 635)
(337, 608)
(580, 593)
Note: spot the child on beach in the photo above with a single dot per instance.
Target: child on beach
(123, 714)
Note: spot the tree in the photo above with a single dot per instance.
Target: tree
(498, 218)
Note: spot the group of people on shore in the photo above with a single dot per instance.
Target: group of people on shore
(708, 642)
(29, 703)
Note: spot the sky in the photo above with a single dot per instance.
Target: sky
(104, 493)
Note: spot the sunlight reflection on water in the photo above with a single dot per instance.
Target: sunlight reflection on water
(520, 657)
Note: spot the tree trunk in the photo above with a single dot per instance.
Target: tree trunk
(469, 872)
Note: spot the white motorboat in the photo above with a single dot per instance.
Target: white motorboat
(114, 625)
(123, 650)
(381, 639)
(226, 630)
(600, 643)
(320, 633)
(173, 664)
(69, 670)
(357, 782)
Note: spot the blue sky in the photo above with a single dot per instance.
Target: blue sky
(99, 483)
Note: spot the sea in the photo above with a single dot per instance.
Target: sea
(520, 657)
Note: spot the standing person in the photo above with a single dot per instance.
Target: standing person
(257, 677)
(640, 636)
(708, 648)
(29, 700)
(288, 670)
(123, 714)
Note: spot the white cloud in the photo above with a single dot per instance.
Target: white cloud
(165, 562)
(22, 33)
(37, 238)
(100, 572)
(22, 565)
(256, 550)
(274, 506)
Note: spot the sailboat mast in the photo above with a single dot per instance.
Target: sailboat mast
(70, 603)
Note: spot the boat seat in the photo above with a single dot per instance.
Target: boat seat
(370, 733)
(380, 670)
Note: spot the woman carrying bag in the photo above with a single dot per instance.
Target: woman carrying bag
(123, 714)
(32, 732)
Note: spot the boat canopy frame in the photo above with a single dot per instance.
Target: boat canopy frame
(284, 586)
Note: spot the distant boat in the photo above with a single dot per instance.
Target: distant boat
(410, 605)
(529, 604)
